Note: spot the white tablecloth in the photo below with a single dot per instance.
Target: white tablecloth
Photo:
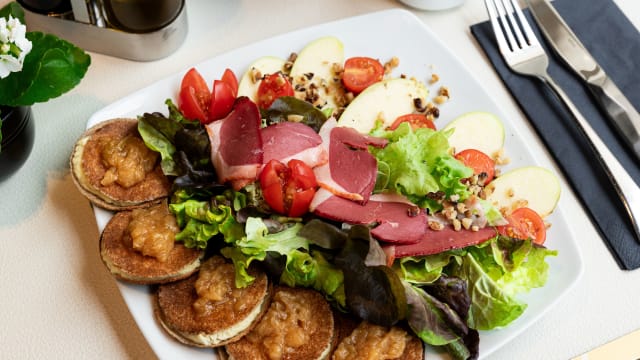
(58, 301)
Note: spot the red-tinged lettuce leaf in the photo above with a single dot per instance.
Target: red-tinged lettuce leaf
(284, 107)
(453, 292)
(373, 291)
(323, 234)
(438, 324)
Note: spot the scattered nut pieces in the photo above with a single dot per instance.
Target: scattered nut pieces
(390, 65)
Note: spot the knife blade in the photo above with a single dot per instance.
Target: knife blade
(568, 47)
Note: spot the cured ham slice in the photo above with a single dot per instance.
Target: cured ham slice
(436, 241)
(290, 140)
(351, 171)
(396, 221)
(403, 232)
(236, 144)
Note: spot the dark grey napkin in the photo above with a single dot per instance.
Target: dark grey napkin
(615, 43)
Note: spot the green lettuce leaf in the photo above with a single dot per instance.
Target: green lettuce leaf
(257, 242)
(496, 272)
(158, 142)
(491, 306)
(424, 269)
(417, 163)
(201, 220)
(300, 266)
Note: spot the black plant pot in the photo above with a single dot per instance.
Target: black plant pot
(18, 133)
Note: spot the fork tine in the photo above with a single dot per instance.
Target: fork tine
(531, 37)
(509, 6)
(503, 45)
(506, 28)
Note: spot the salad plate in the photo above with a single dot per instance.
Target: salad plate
(421, 54)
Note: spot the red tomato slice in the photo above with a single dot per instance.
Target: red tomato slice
(302, 174)
(230, 78)
(193, 78)
(300, 201)
(415, 120)
(525, 223)
(360, 72)
(272, 87)
(288, 189)
(479, 162)
(194, 96)
(222, 99)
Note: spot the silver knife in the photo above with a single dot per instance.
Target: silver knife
(565, 43)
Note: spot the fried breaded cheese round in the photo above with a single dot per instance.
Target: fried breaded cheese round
(113, 168)
(298, 325)
(139, 246)
(370, 341)
(207, 309)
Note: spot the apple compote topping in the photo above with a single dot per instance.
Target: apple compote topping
(285, 327)
(128, 161)
(215, 285)
(153, 231)
(370, 341)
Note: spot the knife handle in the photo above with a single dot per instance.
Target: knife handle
(619, 110)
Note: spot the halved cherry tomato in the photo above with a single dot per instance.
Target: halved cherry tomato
(525, 223)
(415, 120)
(230, 78)
(272, 87)
(479, 162)
(194, 97)
(222, 99)
(360, 72)
(288, 189)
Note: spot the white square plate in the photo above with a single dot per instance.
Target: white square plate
(379, 35)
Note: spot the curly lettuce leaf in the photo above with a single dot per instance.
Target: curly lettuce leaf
(423, 270)
(201, 220)
(496, 272)
(257, 242)
(417, 163)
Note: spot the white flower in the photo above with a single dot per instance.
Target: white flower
(14, 45)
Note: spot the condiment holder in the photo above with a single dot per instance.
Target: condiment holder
(140, 30)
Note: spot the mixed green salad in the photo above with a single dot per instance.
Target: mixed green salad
(445, 298)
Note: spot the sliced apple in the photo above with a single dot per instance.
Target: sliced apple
(384, 101)
(315, 64)
(532, 186)
(248, 85)
(477, 130)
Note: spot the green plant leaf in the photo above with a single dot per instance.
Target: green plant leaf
(53, 67)
(14, 10)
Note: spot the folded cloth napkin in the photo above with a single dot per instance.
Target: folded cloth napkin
(615, 43)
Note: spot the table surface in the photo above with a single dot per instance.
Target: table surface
(58, 301)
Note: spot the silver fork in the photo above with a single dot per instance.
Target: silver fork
(524, 54)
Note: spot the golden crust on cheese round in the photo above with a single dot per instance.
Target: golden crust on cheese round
(207, 310)
(298, 325)
(113, 168)
(134, 256)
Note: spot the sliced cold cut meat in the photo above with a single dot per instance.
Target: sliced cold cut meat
(351, 171)
(236, 144)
